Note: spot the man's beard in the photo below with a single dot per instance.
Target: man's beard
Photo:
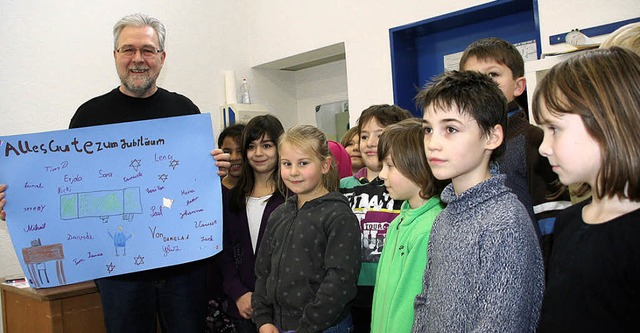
(138, 89)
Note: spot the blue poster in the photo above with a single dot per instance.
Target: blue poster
(108, 200)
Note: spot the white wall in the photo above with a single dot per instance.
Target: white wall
(281, 29)
(58, 54)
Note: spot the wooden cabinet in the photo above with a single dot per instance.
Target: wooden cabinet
(69, 309)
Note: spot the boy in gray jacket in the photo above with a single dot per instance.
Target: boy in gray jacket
(484, 272)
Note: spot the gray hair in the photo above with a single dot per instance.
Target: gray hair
(139, 20)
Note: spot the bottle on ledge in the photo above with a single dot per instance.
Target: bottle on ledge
(244, 89)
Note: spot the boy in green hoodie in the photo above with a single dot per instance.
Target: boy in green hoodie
(407, 178)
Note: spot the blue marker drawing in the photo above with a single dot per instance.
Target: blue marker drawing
(120, 240)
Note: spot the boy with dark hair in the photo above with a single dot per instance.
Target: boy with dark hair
(370, 201)
(529, 175)
(484, 270)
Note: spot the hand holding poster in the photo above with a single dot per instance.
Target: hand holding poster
(107, 200)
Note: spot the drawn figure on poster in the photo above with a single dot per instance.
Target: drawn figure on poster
(120, 240)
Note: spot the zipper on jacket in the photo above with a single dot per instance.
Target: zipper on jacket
(383, 322)
(280, 262)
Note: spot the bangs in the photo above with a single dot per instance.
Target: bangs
(552, 93)
(449, 104)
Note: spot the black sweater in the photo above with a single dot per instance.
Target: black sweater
(116, 107)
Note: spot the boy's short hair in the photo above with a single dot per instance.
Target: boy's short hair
(404, 143)
(472, 93)
(498, 50)
(385, 114)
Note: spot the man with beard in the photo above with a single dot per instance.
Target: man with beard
(139, 56)
(175, 296)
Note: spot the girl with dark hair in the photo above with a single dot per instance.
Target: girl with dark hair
(247, 208)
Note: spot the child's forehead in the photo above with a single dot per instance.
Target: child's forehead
(475, 62)
(549, 116)
(231, 141)
(371, 124)
(550, 113)
(442, 108)
(434, 112)
(295, 151)
(263, 138)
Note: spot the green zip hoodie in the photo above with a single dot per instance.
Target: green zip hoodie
(401, 267)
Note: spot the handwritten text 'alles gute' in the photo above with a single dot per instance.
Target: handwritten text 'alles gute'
(75, 146)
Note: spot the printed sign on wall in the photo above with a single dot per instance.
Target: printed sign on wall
(108, 200)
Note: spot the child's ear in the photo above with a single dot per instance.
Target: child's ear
(326, 165)
(521, 84)
(495, 137)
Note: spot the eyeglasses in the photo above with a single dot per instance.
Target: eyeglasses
(130, 51)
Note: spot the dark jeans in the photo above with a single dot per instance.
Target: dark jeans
(345, 326)
(177, 299)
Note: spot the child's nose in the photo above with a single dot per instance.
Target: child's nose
(432, 142)
(372, 142)
(545, 147)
